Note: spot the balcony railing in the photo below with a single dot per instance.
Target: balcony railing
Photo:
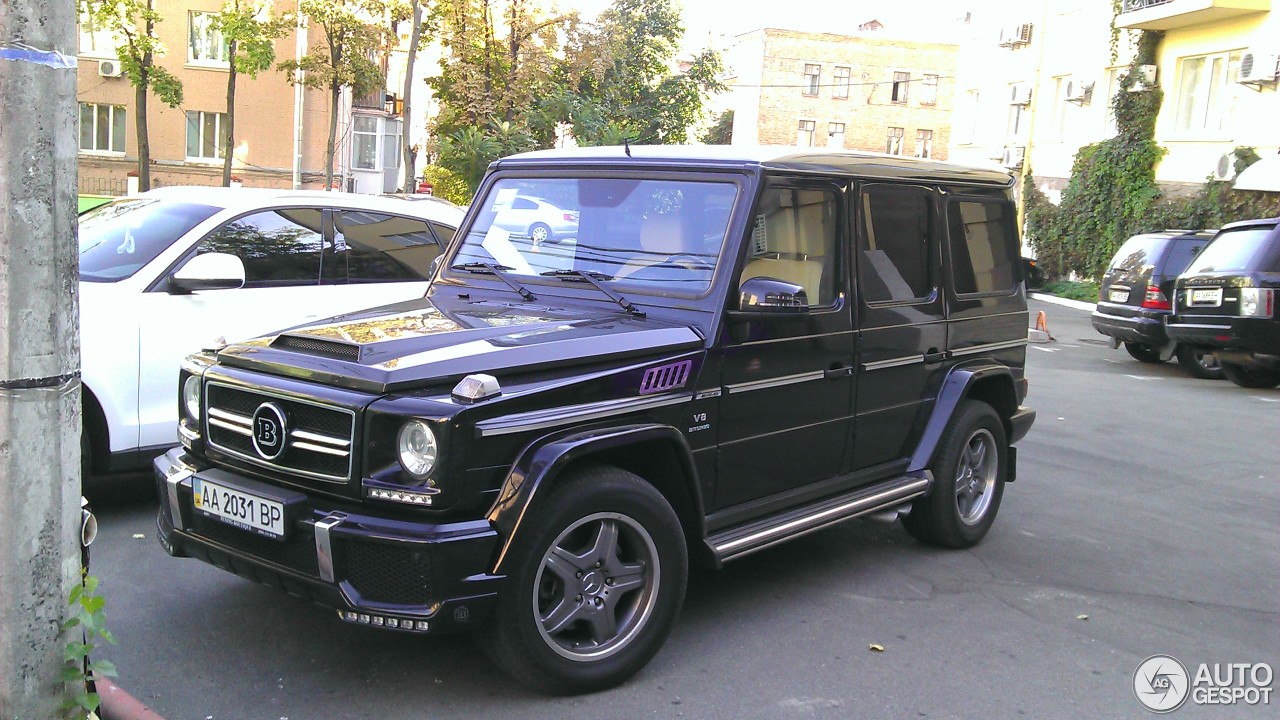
(1171, 14)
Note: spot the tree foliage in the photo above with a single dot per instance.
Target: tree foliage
(721, 133)
(250, 31)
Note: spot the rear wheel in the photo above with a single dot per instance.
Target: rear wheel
(1251, 377)
(968, 480)
(596, 578)
(1148, 353)
(1200, 362)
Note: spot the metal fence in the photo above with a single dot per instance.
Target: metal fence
(1134, 5)
(103, 186)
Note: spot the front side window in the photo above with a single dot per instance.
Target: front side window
(1207, 92)
(794, 239)
(893, 248)
(841, 89)
(278, 247)
(662, 236)
(835, 135)
(205, 44)
(984, 251)
(924, 143)
(119, 238)
(812, 78)
(893, 141)
(383, 248)
(102, 128)
(901, 81)
(205, 135)
(804, 133)
(364, 152)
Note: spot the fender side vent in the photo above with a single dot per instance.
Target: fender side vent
(340, 351)
(665, 377)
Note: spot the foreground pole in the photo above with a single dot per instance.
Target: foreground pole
(39, 352)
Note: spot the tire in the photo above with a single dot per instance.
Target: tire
(562, 624)
(1147, 353)
(1251, 377)
(1200, 362)
(540, 233)
(968, 480)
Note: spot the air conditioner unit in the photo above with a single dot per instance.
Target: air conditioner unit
(1257, 67)
(1225, 168)
(1079, 91)
(1020, 94)
(110, 68)
(1015, 35)
(1013, 157)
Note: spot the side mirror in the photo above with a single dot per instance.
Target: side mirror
(771, 295)
(209, 271)
(1032, 273)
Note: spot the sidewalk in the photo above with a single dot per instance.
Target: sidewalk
(1077, 304)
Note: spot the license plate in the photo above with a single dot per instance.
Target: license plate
(1119, 296)
(233, 506)
(1206, 296)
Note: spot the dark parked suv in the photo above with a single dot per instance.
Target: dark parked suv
(738, 347)
(1226, 301)
(1134, 300)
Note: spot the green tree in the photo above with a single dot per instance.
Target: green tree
(467, 153)
(721, 133)
(133, 25)
(250, 32)
(354, 31)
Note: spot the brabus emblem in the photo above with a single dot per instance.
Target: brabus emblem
(269, 431)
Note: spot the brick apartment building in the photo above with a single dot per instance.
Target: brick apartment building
(186, 142)
(859, 92)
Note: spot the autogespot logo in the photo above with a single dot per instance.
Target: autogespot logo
(1161, 683)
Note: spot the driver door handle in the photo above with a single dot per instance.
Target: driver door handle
(838, 371)
(934, 356)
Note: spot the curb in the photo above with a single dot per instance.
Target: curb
(1054, 299)
(120, 705)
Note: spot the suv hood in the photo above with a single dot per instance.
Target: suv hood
(415, 343)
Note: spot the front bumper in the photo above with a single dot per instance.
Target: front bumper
(1142, 328)
(411, 576)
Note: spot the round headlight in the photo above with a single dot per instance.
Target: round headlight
(191, 397)
(418, 449)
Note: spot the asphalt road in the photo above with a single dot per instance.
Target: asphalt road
(1145, 520)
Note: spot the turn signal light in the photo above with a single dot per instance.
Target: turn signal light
(1155, 300)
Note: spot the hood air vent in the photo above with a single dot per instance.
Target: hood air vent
(311, 346)
(665, 377)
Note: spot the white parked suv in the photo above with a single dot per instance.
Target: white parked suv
(173, 270)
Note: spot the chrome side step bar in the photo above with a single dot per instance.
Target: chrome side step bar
(745, 539)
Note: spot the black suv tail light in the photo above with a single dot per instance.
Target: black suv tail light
(1155, 300)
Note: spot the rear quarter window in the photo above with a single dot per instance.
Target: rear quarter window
(984, 250)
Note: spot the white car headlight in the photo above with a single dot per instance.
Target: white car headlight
(418, 449)
(191, 397)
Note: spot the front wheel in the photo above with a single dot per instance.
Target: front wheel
(596, 577)
(1247, 377)
(968, 480)
(1200, 362)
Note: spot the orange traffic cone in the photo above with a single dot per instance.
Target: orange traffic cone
(1042, 324)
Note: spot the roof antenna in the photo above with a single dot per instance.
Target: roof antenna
(626, 143)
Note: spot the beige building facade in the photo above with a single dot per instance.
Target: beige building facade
(859, 92)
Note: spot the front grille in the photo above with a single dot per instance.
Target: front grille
(296, 552)
(327, 348)
(318, 439)
(386, 573)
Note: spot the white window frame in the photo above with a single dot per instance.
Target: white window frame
(924, 143)
(900, 95)
(805, 126)
(894, 141)
(389, 151)
(1058, 118)
(201, 118)
(812, 81)
(973, 108)
(112, 111)
(929, 89)
(835, 138)
(359, 137)
(210, 37)
(94, 43)
(841, 84)
(1113, 76)
(1204, 108)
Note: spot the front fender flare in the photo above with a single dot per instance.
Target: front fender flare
(955, 388)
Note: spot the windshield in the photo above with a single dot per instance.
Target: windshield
(660, 235)
(1232, 251)
(117, 239)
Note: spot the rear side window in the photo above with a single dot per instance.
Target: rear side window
(984, 253)
(893, 248)
(277, 247)
(384, 248)
(1233, 251)
(1139, 253)
(443, 232)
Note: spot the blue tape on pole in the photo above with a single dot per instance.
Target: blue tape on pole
(49, 58)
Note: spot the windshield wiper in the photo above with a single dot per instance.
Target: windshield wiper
(497, 271)
(579, 275)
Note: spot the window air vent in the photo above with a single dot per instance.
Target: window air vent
(311, 346)
(665, 377)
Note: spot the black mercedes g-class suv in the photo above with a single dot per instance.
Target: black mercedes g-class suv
(1226, 301)
(735, 348)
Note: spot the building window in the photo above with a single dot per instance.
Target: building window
(1113, 86)
(102, 128)
(1207, 91)
(929, 90)
(841, 89)
(973, 106)
(812, 78)
(893, 143)
(901, 80)
(924, 143)
(205, 135)
(835, 135)
(1058, 122)
(95, 42)
(364, 152)
(804, 135)
(391, 144)
(205, 44)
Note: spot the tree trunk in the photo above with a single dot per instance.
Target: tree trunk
(335, 95)
(144, 145)
(230, 143)
(406, 151)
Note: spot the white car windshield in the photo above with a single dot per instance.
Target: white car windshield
(661, 235)
(117, 239)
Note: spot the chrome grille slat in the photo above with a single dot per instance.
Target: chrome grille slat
(233, 427)
(316, 437)
(319, 449)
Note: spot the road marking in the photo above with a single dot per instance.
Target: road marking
(1114, 362)
(1070, 346)
(1264, 399)
(1143, 377)
(1036, 347)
